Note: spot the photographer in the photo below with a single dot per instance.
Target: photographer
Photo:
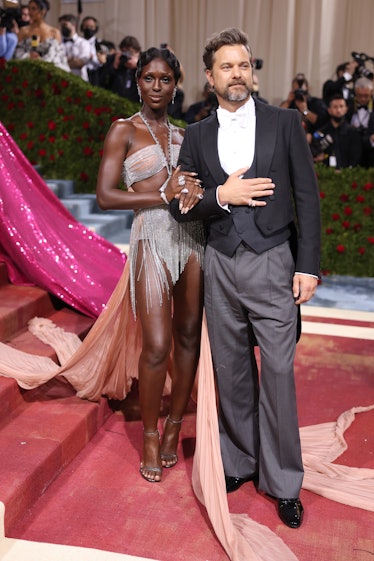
(202, 109)
(337, 144)
(118, 73)
(8, 34)
(313, 109)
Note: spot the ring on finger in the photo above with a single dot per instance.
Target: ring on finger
(200, 196)
(181, 180)
(184, 191)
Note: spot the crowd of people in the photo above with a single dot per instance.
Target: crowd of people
(339, 124)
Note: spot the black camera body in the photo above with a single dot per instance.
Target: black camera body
(320, 142)
(124, 59)
(361, 59)
(300, 94)
(257, 63)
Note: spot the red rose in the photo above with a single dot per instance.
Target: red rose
(344, 198)
(360, 199)
(336, 216)
(42, 152)
(361, 250)
(83, 176)
(368, 187)
(367, 211)
(89, 93)
(348, 211)
(322, 195)
(345, 224)
(371, 240)
(30, 144)
(329, 231)
(51, 125)
(357, 227)
(354, 185)
(52, 139)
(41, 137)
(30, 124)
(340, 248)
(87, 151)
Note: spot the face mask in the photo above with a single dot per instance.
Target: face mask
(88, 33)
(65, 31)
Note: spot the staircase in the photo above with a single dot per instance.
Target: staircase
(113, 225)
(41, 430)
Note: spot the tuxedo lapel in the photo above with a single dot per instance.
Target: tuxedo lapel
(210, 150)
(265, 138)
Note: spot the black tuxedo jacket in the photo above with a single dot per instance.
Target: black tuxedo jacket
(283, 154)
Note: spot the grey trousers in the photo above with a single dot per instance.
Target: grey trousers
(245, 295)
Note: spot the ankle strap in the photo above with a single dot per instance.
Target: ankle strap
(168, 418)
(148, 433)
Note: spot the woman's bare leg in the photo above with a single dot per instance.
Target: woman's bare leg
(156, 326)
(188, 304)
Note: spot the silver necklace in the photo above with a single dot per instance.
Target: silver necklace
(168, 161)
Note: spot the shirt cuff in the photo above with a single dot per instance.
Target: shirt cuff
(226, 206)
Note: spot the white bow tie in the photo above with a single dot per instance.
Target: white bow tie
(225, 118)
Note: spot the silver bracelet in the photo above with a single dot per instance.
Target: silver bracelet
(164, 197)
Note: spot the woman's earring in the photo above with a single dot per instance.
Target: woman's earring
(139, 93)
(174, 94)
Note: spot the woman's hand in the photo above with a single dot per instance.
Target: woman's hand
(186, 187)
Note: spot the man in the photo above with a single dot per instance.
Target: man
(312, 109)
(346, 142)
(363, 109)
(118, 72)
(77, 49)
(345, 76)
(89, 29)
(250, 159)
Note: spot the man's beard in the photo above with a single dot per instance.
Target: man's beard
(230, 95)
(338, 120)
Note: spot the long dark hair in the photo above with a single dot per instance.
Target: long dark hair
(152, 53)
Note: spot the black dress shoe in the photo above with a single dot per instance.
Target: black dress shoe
(233, 483)
(291, 512)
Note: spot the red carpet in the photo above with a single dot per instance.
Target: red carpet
(101, 501)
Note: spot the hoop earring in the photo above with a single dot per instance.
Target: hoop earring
(174, 94)
(139, 93)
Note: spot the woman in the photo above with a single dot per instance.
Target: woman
(40, 41)
(165, 258)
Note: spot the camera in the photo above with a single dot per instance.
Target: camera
(320, 142)
(257, 63)
(124, 58)
(361, 59)
(8, 13)
(300, 94)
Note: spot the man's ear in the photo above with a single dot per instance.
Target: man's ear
(209, 77)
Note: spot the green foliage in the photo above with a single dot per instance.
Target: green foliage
(347, 203)
(60, 123)
(58, 120)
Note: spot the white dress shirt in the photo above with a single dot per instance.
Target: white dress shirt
(236, 137)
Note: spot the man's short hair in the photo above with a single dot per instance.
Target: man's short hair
(230, 36)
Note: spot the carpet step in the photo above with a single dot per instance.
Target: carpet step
(40, 437)
(41, 430)
(18, 304)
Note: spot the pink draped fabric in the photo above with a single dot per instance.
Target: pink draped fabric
(43, 244)
(242, 538)
(106, 362)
